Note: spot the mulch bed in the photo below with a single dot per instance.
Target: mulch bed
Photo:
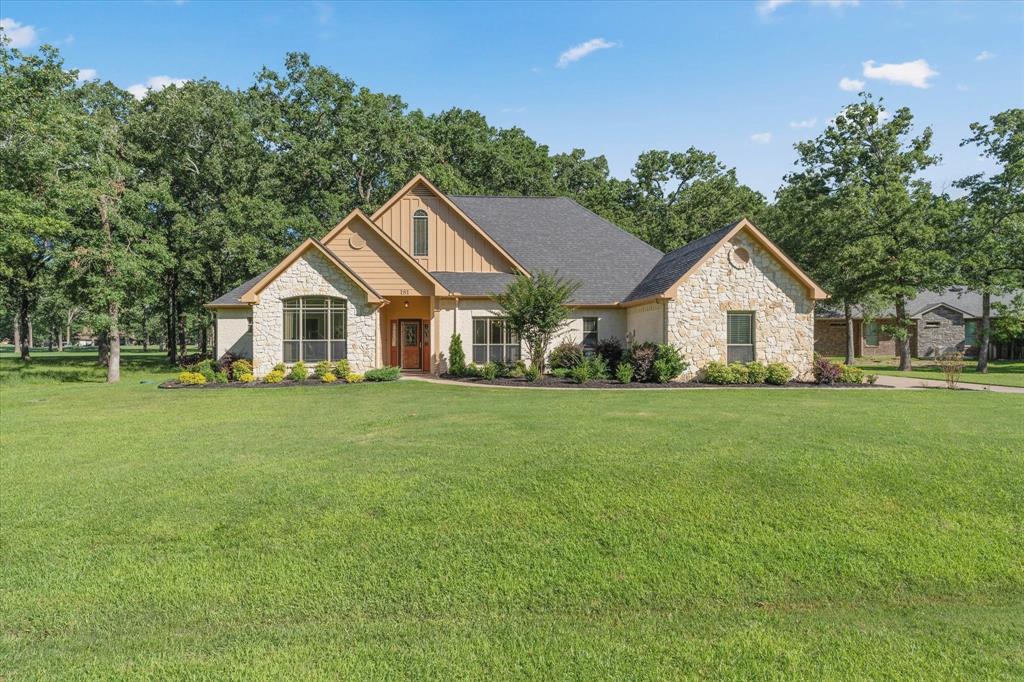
(556, 382)
(173, 383)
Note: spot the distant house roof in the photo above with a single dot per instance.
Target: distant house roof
(675, 264)
(474, 283)
(555, 234)
(961, 298)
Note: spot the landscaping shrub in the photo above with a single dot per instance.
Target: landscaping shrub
(328, 377)
(567, 355)
(206, 368)
(353, 378)
(191, 378)
(299, 372)
(825, 371)
(756, 373)
(518, 370)
(952, 366)
(848, 374)
(226, 362)
(738, 373)
(717, 373)
(778, 374)
(643, 356)
(275, 376)
(624, 372)
(220, 377)
(383, 374)
(560, 372)
(490, 371)
(597, 367)
(247, 378)
(240, 368)
(280, 367)
(456, 356)
(532, 374)
(871, 378)
(342, 368)
(472, 370)
(611, 350)
(669, 364)
(323, 367)
(581, 373)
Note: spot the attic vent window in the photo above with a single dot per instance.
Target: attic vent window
(421, 191)
(739, 257)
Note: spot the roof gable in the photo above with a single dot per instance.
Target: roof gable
(676, 266)
(418, 183)
(252, 295)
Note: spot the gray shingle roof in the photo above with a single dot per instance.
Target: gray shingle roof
(958, 297)
(557, 234)
(675, 264)
(231, 298)
(474, 283)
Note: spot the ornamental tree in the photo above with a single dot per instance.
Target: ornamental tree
(535, 310)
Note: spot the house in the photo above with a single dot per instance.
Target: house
(392, 288)
(941, 322)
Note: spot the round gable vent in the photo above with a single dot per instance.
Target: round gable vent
(356, 242)
(739, 257)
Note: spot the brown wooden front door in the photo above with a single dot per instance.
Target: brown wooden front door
(411, 340)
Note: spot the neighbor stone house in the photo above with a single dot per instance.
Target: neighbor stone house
(393, 288)
(942, 322)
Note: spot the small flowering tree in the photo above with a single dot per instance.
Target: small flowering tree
(535, 310)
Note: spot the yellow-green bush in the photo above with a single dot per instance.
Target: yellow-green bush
(191, 378)
(274, 377)
(328, 377)
(247, 378)
(354, 378)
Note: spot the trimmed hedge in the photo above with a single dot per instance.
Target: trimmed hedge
(383, 374)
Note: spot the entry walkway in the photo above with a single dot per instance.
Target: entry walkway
(914, 382)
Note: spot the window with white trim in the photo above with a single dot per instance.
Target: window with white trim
(740, 337)
(493, 341)
(590, 333)
(315, 329)
(420, 233)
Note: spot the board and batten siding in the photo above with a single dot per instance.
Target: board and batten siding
(454, 244)
(364, 250)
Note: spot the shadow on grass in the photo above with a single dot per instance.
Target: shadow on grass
(76, 366)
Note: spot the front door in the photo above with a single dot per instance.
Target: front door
(411, 340)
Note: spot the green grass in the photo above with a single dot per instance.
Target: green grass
(411, 530)
(1000, 372)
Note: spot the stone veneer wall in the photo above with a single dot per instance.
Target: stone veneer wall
(946, 336)
(783, 310)
(312, 275)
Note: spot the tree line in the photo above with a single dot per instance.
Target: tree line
(125, 216)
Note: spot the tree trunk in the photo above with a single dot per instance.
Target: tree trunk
(49, 341)
(103, 348)
(903, 331)
(31, 338)
(984, 332)
(60, 338)
(114, 336)
(203, 340)
(25, 326)
(171, 332)
(17, 333)
(145, 341)
(850, 351)
(182, 343)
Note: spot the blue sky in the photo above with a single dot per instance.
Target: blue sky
(742, 79)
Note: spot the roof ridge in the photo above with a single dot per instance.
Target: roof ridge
(511, 196)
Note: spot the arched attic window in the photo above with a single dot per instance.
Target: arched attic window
(420, 233)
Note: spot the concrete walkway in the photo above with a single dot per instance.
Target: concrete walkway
(902, 383)
(914, 382)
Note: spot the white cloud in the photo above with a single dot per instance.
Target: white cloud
(155, 83)
(324, 12)
(850, 84)
(808, 123)
(761, 138)
(86, 75)
(578, 52)
(766, 7)
(984, 56)
(19, 34)
(914, 74)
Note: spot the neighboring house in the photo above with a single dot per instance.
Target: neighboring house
(941, 322)
(394, 287)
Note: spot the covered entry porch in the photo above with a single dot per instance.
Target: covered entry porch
(408, 334)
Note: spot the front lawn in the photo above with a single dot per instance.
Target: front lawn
(382, 531)
(1000, 372)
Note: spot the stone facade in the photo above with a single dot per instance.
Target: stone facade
(782, 306)
(312, 275)
(940, 331)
